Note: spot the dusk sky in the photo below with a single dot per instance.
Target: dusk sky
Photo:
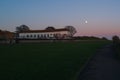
(102, 16)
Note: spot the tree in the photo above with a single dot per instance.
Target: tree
(116, 40)
(71, 29)
(22, 28)
(50, 28)
(116, 44)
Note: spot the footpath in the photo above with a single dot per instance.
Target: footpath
(103, 66)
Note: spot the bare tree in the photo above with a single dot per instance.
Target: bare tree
(71, 29)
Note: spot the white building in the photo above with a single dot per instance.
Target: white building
(48, 33)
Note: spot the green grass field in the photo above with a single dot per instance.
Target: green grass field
(45, 61)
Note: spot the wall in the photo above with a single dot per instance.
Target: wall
(45, 35)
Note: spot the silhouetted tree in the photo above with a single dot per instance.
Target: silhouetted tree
(50, 28)
(71, 29)
(22, 28)
(116, 45)
(116, 40)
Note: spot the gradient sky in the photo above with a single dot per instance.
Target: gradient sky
(103, 16)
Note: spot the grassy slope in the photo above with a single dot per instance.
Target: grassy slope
(45, 61)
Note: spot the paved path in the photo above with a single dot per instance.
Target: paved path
(103, 66)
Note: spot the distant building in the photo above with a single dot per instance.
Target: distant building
(6, 36)
(48, 33)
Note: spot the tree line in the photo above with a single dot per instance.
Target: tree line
(89, 38)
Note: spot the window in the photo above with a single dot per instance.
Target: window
(27, 36)
(48, 36)
(51, 35)
(34, 35)
(44, 35)
(30, 35)
(38, 36)
(41, 35)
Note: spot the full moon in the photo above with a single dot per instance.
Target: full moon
(86, 22)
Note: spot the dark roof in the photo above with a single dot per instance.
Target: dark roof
(47, 30)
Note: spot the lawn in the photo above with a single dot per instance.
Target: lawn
(45, 61)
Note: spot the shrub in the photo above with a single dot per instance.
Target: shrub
(116, 40)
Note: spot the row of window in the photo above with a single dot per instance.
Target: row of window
(35, 36)
(41, 36)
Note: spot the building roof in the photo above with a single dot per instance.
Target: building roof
(46, 30)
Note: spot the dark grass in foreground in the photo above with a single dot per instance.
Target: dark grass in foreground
(45, 61)
(117, 49)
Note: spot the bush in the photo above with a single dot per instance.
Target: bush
(116, 40)
(116, 45)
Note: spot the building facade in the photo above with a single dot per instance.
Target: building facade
(48, 33)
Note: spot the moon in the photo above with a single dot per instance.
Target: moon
(86, 21)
